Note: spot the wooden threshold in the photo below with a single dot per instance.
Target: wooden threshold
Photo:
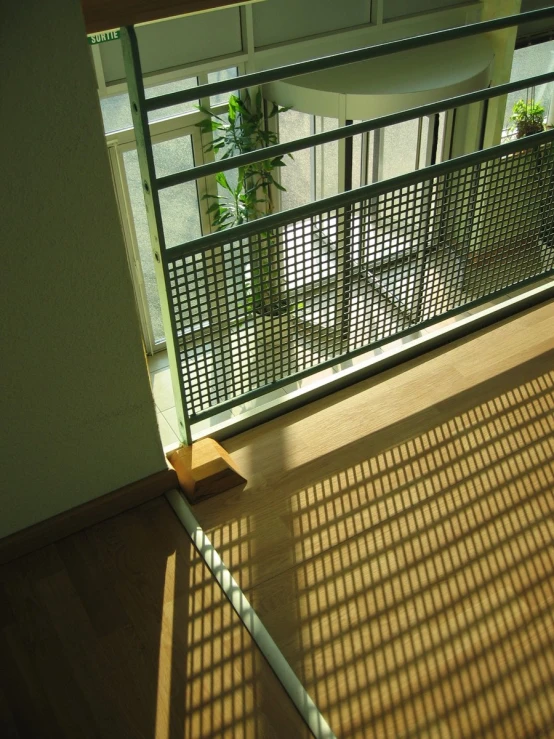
(94, 511)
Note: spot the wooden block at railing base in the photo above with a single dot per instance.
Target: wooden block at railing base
(204, 469)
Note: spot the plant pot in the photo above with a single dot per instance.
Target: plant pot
(272, 310)
(525, 128)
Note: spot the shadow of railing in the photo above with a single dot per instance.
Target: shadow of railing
(121, 631)
(408, 577)
(212, 679)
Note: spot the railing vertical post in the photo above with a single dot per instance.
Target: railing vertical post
(145, 153)
(346, 296)
(428, 194)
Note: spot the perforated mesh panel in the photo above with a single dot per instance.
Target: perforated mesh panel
(251, 313)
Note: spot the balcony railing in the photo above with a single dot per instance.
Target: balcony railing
(253, 308)
(470, 229)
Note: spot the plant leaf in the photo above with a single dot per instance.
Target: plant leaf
(207, 111)
(222, 180)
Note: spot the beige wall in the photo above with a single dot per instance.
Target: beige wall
(77, 416)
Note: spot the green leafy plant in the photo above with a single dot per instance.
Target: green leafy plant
(248, 194)
(241, 131)
(527, 118)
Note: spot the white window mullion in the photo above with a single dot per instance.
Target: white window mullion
(98, 70)
(247, 29)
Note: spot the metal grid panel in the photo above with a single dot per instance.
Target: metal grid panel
(253, 313)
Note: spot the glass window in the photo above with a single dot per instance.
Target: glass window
(442, 145)
(177, 42)
(528, 62)
(311, 174)
(286, 20)
(179, 204)
(399, 149)
(357, 180)
(326, 161)
(179, 207)
(116, 113)
(165, 89)
(296, 175)
(220, 76)
(116, 109)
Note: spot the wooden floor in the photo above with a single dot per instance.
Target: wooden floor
(397, 540)
(121, 632)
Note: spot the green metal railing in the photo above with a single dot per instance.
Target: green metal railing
(469, 229)
(256, 307)
(346, 132)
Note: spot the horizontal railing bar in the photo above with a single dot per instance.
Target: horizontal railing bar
(267, 223)
(326, 137)
(346, 57)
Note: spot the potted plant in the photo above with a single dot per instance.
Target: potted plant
(527, 118)
(244, 195)
(249, 194)
(515, 252)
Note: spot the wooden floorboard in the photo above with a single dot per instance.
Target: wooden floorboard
(121, 631)
(398, 540)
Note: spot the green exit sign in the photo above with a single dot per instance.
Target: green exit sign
(100, 38)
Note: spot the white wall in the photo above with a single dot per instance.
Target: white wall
(77, 416)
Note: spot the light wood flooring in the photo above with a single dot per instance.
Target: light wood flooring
(397, 540)
(120, 632)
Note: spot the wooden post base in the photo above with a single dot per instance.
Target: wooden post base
(204, 469)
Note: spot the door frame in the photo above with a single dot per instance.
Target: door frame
(118, 144)
(131, 244)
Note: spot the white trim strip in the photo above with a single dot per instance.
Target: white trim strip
(284, 672)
